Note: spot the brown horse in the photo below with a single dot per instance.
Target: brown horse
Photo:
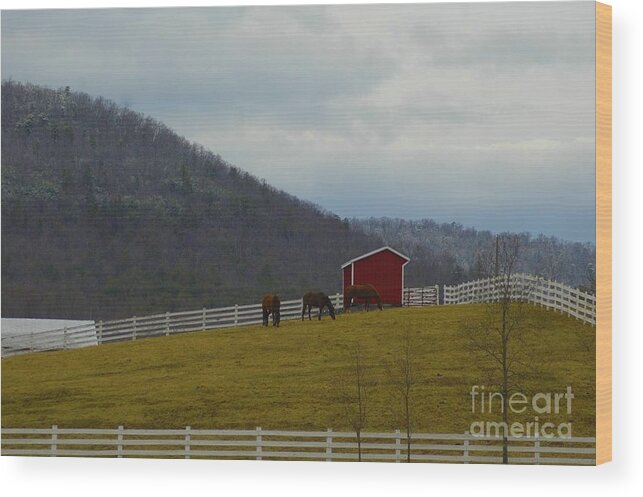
(271, 304)
(319, 300)
(365, 292)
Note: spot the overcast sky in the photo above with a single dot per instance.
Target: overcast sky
(481, 114)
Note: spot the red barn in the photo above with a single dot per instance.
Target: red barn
(383, 268)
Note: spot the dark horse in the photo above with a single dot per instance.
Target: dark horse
(365, 292)
(271, 304)
(317, 299)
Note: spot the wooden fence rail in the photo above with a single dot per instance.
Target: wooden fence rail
(550, 294)
(415, 297)
(138, 327)
(263, 444)
(539, 291)
(166, 324)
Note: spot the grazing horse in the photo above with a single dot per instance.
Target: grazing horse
(365, 292)
(316, 299)
(271, 304)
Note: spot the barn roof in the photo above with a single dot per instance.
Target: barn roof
(382, 249)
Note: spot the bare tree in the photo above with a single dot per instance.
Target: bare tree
(500, 333)
(402, 374)
(353, 396)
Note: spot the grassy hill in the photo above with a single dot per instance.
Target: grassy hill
(288, 377)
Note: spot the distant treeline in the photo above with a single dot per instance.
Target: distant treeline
(107, 213)
(547, 256)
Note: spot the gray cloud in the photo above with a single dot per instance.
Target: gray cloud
(478, 113)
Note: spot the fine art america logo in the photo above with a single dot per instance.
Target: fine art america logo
(540, 404)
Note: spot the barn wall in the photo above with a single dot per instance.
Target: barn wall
(347, 276)
(384, 271)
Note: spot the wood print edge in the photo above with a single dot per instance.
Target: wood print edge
(603, 233)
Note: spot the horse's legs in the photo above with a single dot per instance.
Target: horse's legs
(309, 309)
(320, 311)
(303, 311)
(265, 317)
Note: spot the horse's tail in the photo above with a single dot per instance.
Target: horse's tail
(304, 303)
(266, 305)
(276, 310)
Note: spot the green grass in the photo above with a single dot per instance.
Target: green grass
(286, 378)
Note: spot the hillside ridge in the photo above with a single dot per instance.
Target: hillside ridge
(107, 213)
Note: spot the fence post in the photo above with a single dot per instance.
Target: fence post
(398, 446)
(134, 330)
(465, 455)
(203, 327)
(54, 440)
(259, 439)
(119, 438)
(167, 324)
(65, 337)
(100, 332)
(236, 314)
(329, 445)
(187, 442)
(537, 450)
(337, 295)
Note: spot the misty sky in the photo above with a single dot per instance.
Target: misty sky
(481, 114)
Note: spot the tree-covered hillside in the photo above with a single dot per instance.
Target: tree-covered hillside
(107, 213)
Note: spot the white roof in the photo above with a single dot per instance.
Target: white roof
(375, 252)
(26, 326)
(22, 335)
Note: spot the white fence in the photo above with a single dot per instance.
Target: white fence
(540, 291)
(415, 297)
(172, 323)
(312, 445)
(527, 287)
(150, 326)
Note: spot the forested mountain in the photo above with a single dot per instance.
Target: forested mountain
(107, 213)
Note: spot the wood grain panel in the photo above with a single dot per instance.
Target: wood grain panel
(603, 233)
